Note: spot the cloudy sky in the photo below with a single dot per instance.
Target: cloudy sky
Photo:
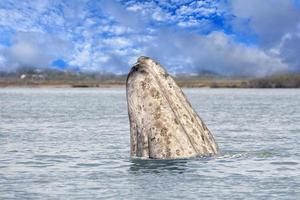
(230, 37)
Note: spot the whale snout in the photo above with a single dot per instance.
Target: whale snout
(163, 125)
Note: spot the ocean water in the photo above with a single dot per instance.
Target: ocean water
(74, 144)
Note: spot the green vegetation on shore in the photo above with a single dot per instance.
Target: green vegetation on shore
(277, 81)
(30, 77)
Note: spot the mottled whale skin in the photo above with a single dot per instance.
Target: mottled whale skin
(163, 124)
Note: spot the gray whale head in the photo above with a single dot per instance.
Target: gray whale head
(163, 124)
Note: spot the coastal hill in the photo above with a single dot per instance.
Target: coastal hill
(33, 77)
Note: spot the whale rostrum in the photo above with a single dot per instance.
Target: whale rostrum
(163, 124)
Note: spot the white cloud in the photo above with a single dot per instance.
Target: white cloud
(276, 23)
(160, 16)
(115, 29)
(35, 49)
(2, 59)
(135, 7)
(27, 54)
(217, 52)
(196, 9)
(188, 23)
(82, 57)
(184, 10)
(109, 35)
(117, 42)
(270, 19)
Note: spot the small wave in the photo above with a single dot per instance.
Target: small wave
(284, 163)
(245, 154)
(88, 164)
(151, 165)
(233, 155)
(54, 157)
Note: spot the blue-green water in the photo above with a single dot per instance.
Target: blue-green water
(74, 144)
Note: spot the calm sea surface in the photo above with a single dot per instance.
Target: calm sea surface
(74, 144)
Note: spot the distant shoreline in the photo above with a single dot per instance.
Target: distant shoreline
(121, 84)
(5, 85)
(50, 78)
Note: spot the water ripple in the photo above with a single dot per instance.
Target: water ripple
(74, 144)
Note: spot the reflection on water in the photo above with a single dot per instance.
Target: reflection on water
(157, 166)
(74, 144)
